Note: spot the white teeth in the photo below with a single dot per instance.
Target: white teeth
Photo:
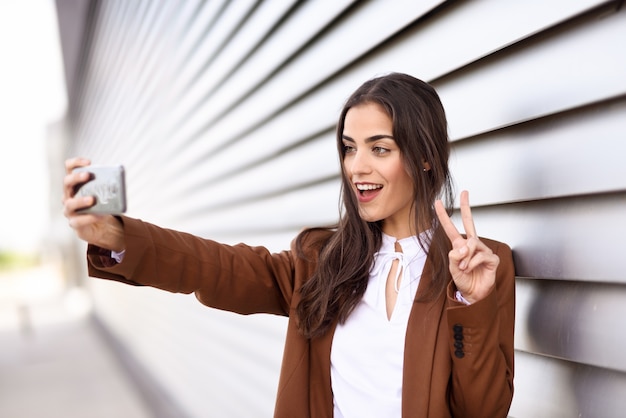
(363, 187)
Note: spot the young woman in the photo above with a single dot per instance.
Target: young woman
(392, 312)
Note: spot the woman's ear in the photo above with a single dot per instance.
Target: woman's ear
(426, 166)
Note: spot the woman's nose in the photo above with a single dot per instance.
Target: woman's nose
(359, 163)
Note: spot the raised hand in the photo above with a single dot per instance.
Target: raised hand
(472, 264)
(102, 230)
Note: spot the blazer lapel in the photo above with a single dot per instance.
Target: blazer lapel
(320, 390)
(419, 348)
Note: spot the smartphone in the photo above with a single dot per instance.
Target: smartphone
(108, 185)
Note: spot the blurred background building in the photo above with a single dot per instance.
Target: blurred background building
(223, 114)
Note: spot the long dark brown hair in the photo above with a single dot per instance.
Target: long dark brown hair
(420, 131)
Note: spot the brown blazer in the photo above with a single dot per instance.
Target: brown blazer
(440, 380)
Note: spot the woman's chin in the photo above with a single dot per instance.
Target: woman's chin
(369, 217)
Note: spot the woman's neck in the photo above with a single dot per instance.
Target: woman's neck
(404, 230)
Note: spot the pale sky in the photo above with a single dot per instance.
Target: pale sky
(32, 94)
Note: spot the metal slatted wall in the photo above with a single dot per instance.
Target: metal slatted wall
(223, 113)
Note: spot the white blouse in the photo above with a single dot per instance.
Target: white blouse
(367, 352)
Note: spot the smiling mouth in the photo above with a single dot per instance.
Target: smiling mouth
(368, 189)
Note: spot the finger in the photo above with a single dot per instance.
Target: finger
(78, 222)
(466, 215)
(471, 246)
(457, 255)
(72, 163)
(73, 205)
(488, 261)
(475, 253)
(71, 181)
(446, 222)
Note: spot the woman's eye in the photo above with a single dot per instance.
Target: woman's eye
(347, 149)
(380, 150)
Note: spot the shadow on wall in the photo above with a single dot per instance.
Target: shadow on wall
(579, 323)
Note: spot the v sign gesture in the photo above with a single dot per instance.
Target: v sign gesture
(472, 264)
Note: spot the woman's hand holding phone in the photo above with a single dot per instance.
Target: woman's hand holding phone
(101, 229)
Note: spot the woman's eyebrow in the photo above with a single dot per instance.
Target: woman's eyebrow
(370, 139)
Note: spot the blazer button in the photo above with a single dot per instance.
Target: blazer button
(458, 340)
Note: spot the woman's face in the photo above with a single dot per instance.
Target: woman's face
(374, 166)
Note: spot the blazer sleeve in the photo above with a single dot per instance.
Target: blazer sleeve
(239, 278)
(481, 345)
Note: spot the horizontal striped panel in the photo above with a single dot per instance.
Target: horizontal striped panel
(526, 83)
(568, 320)
(567, 154)
(570, 239)
(287, 84)
(235, 354)
(219, 30)
(546, 387)
(465, 32)
(284, 40)
(311, 206)
(308, 164)
(267, 133)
